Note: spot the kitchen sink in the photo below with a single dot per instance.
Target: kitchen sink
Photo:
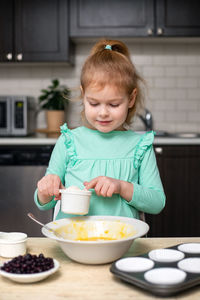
(190, 135)
(158, 133)
(165, 134)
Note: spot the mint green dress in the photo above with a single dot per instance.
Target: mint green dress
(82, 154)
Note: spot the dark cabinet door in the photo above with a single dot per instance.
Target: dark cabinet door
(132, 18)
(6, 30)
(178, 18)
(179, 169)
(42, 30)
(35, 31)
(89, 18)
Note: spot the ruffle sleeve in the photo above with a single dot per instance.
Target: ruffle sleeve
(69, 143)
(142, 146)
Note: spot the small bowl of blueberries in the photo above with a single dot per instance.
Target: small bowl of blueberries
(29, 268)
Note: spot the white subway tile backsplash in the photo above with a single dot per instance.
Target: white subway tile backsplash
(171, 71)
(3, 72)
(186, 60)
(187, 82)
(63, 73)
(159, 116)
(194, 93)
(164, 60)
(9, 84)
(149, 82)
(156, 94)
(37, 72)
(175, 94)
(165, 82)
(176, 117)
(165, 105)
(194, 116)
(185, 127)
(187, 105)
(153, 71)
(194, 71)
(142, 60)
(175, 71)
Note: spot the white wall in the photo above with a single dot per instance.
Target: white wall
(171, 69)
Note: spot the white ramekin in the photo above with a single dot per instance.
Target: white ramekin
(75, 202)
(12, 244)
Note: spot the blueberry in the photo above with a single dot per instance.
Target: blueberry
(28, 264)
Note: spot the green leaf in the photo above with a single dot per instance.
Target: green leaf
(44, 91)
(55, 96)
(55, 82)
(42, 97)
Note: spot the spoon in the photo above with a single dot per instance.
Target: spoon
(31, 216)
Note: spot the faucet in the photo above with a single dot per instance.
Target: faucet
(147, 119)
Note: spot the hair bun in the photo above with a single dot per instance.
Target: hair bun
(113, 45)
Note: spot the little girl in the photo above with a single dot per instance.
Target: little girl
(119, 165)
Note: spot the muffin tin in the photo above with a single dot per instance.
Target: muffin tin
(163, 272)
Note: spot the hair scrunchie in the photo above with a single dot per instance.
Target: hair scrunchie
(108, 47)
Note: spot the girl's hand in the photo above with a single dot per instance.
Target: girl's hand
(104, 186)
(48, 187)
(107, 186)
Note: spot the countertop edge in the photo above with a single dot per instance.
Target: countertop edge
(52, 141)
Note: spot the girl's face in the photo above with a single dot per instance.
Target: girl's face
(106, 109)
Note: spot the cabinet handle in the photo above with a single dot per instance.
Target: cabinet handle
(19, 56)
(159, 150)
(9, 56)
(159, 31)
(149, 31)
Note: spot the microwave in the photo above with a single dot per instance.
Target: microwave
(17, 115)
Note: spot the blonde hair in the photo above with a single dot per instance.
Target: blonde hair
(113, 67)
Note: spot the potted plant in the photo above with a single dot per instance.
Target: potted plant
(54, 100)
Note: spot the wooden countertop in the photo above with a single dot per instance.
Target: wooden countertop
(86, 282)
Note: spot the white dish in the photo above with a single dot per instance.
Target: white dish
(29, 278)
(134, 264)
(166, 255)
(190, 248)
(191, 265)
(97, 251)
(12, 244)
(165, 276)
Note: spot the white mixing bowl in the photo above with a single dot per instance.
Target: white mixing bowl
(96, 239)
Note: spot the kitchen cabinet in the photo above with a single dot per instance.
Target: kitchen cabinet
(34, 31)
(134, 18)
(177, 18)
(110, 18)
(21, 166)
(179, 170)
